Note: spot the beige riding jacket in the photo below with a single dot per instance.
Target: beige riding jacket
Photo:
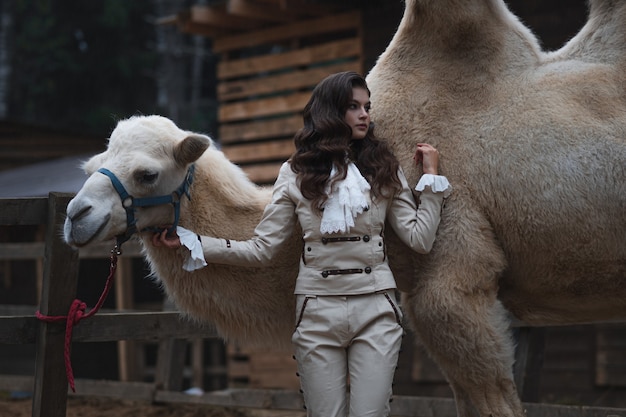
(340, 263)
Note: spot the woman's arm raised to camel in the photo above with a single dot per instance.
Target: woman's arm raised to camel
(418, 228)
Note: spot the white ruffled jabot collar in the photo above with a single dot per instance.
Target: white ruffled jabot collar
(346, 200)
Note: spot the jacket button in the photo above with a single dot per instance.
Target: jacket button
(324, 240)
(366, 238)
(325, 274)
(368, 270)
(366, 208)
(308, 249)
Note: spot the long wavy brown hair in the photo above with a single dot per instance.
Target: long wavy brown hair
(326, 139)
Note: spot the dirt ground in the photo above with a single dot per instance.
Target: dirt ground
(99, 407)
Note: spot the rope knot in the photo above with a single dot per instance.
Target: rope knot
(77, 312)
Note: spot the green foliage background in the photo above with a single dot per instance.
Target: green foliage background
(82, 64)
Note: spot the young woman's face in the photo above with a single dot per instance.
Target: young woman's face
(358, 113)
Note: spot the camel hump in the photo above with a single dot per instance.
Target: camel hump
(603, 38)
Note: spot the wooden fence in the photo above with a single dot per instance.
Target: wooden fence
(58, 290)
(265, 78)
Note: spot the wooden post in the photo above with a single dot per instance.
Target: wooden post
(171, 357)
(128, 368)
(528, 362)
(60, 280)
(170, 364)
(197, 363)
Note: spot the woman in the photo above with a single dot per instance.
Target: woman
(340, 185)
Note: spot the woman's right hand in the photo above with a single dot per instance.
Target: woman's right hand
(166, 239)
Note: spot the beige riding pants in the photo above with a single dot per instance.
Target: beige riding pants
(347, 352)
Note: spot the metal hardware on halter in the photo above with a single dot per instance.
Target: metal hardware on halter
(116, 251)
(130, 203)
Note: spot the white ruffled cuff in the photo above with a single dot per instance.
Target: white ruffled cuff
(436, 183)
(195, 257)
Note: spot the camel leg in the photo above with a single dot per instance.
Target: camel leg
(474, 349)
(454, 310)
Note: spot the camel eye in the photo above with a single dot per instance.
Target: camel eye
(147, 177)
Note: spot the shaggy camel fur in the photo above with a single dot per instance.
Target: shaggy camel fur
(534, 144)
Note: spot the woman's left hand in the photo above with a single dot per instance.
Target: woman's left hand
(166, 239)
(428, 156)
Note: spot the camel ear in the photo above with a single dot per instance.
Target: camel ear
(90, 166)
(191, 148)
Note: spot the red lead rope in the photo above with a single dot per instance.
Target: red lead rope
(76, 314)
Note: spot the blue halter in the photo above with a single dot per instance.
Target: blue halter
(130, 203)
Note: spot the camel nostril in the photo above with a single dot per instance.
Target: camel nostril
(82, 213)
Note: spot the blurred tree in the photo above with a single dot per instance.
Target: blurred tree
(81, 64)
(187, 72)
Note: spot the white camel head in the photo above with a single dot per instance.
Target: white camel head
(146, 164)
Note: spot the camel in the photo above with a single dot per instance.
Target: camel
(534, 145)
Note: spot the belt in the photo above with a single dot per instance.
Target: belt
(326, 240)
(326, 273)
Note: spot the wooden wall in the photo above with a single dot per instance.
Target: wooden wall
(264, 81)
